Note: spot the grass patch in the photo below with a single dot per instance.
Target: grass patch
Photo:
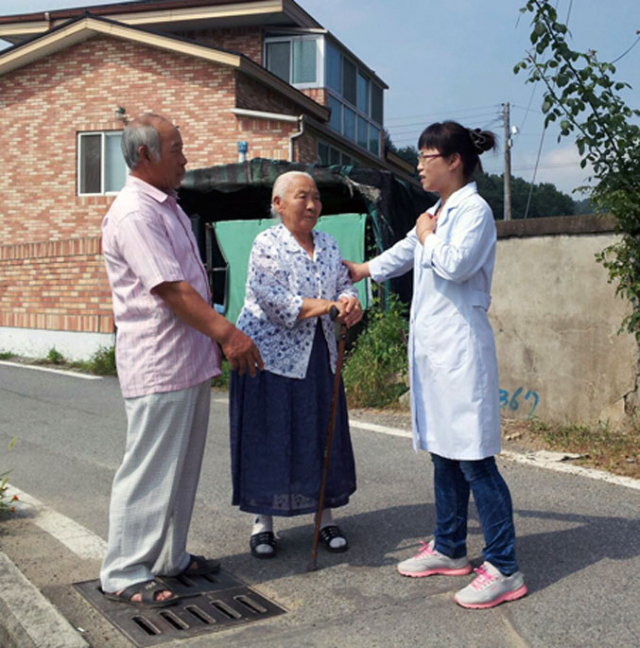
(376, 368)
(599, 446)
(613, 450)
(101, 363)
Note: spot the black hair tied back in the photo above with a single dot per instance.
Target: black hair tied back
(480, 141)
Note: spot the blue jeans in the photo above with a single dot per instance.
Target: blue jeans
(452, 482)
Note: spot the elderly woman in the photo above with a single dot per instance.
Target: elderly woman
(279, 417)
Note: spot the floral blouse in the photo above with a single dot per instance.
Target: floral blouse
(281, 274)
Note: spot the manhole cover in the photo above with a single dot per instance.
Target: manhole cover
(214, 602)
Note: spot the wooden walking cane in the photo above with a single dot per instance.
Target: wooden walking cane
(333, 313)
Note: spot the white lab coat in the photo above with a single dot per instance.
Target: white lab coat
(452, 356)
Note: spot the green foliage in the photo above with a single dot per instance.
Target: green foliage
(583, 98)
(375, 370)
(4, 480)
(6, 355)
(546, 199)
(55, 357)
(222, 381)
(103, 362)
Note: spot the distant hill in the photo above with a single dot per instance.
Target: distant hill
(546, 199)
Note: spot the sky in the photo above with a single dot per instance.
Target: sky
(454, 59)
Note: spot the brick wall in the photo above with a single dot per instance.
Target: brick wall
(43, 106)
(243, 40)
(56, 285)
(306, 149)
(317, 94)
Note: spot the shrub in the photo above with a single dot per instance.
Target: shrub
(103, 362)
(375, 371)
(4, 480)
(55, 357)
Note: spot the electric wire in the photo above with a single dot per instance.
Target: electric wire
(442, 112)
(627, 50)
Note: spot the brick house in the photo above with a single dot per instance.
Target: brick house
(256, 74)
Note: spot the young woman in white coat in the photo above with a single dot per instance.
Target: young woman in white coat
(452, 361)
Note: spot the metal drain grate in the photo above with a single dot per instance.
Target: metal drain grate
(214, 602)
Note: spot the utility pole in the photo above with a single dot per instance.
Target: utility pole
(507, 161)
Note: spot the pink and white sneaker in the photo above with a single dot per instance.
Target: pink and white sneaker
(490, 588)
(428, 561)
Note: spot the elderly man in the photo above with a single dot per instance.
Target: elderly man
(166, 355)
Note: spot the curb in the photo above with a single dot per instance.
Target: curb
(27, 618)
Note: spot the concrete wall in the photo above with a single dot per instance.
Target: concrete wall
(556, 318)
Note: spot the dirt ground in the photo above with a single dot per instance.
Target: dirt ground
(615, 452)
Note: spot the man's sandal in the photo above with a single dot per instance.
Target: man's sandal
(329, 533)
(263, 538)
(148, 591)
(203, 566)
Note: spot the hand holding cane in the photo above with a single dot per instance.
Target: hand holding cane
(333, 313)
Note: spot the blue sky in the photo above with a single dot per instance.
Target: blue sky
(454, 59)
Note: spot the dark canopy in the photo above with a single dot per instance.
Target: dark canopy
(243, 191)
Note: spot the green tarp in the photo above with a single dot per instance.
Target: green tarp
(235, 239)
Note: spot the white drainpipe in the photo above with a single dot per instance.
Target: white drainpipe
(259, 114)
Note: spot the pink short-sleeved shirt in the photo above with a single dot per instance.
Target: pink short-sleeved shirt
(147, 240)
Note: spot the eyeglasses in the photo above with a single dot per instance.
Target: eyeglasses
(423, 156)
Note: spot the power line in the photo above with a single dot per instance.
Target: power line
(397, 127)
(626, 51)
(443, 112)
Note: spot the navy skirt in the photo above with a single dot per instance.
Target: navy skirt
(278, 436)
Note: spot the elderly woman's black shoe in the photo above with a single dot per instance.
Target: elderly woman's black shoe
(261, 539)
(329, 533)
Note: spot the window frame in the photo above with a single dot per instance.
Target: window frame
(103, 167)
(367, 115)
(320, 58)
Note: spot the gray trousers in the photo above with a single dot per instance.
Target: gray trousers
(155, 487)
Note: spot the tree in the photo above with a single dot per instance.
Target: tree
(583, 98)
(407, 153)
(546, 199)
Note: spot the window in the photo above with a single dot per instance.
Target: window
(363, 94)
(294, 59)
(349, 123)
(348, 80)
(279, 59)
(323, 153)
(101, 166)
(329, 155)
(363, 132)
(334, 68)
(374, 140)
(376, 103)
(354, 98)
(304, 61)
(335, 121)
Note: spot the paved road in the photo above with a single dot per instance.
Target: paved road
(579, 538)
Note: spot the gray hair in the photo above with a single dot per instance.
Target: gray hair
(282, 184)
(141, 132)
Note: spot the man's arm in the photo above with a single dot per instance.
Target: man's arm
(192, 309)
